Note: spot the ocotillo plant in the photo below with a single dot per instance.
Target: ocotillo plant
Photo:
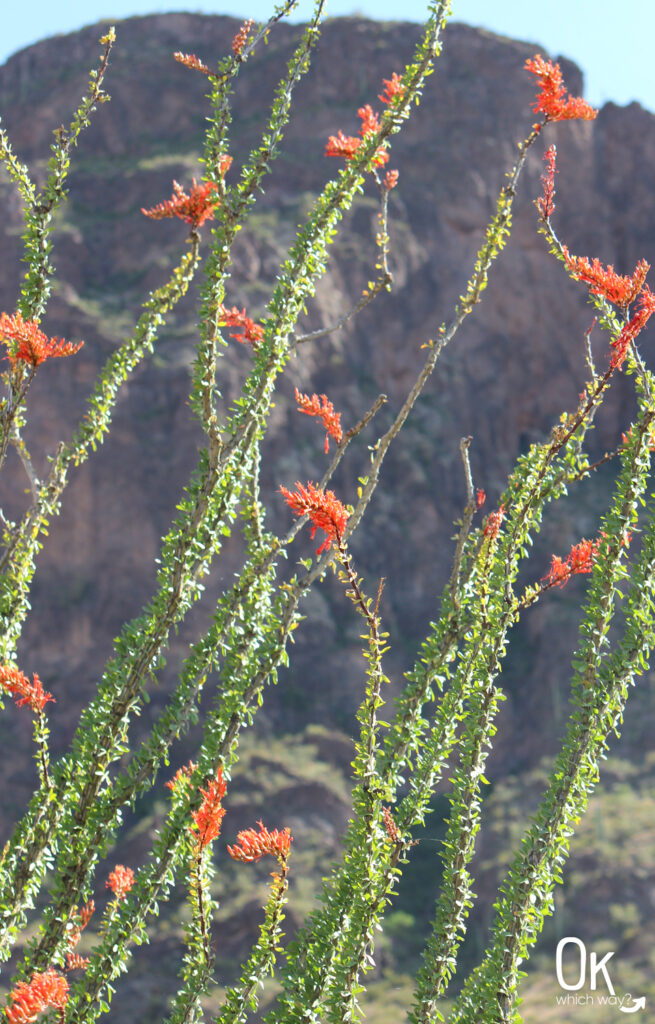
(445, 717)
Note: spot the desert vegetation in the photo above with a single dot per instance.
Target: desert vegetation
(433, 741)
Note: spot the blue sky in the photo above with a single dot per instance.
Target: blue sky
(612, 43)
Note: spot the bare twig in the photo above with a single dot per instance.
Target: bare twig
(367, 296)
(26, 460)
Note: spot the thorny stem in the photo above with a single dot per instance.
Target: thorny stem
(234, 212)
(384, 280)
(365, 767)
(244, 442)
(453, 915)
(264, 30)
(473, 766)
(495, 234)
(16, 398)
(537, 850)
(467, 520)
(41, 737)
(262, 958)
(202, 914)
(29, 530)
(35, 294)
(562, 436)
(371, 618)
(496, 231)
(90, 428)
(129, 782)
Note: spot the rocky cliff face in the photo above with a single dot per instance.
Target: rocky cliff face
(514, 367)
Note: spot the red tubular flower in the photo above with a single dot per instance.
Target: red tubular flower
(182, 775)
(210, 814)
(558, 574)
(580, 559)
(24, 340)
(390, 180)
(234, 317)
(251, 845)
(618, 290)
(224, 164)
(346, 146)
(392, 87)
(651, 437)
(87, 912)
(342, 145)
(546, 203)
(240, 38)
(370, 125)
(195, 208)
(120, 881)
(645, 309)
(480, 497)
(75, 962)
(552, 100)
(320, 406)
(191, 61)
(492, 525)
(85, 915)
(46, 990)
(22, 690)
(370, 121)
(323, 508)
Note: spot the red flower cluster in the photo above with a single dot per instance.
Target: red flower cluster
(24, 340)
(323, 508)
(251, 845)
(579, 559)
(22, 690)
(191, 61)
(492, 525)
(390, 826)
(370, 121)
(480, 497)
(210, 814)
(618, 290)
(182, 774)
(85, 915)
(392, 87)
(120, 881)
(546, 203)
(195, 208)
(252, 332)
(552, 100)
(87, 912)
(651, 437)
(46, 990)
(342, 145)
(75, 962)
(320, 406)
(390, 180)
(347, 146)
(240, 38)
(636, 324)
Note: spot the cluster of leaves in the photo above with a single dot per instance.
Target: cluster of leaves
(445, 717)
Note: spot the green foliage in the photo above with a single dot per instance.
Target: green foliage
(444, 720)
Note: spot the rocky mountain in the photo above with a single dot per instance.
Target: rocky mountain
(515, 366)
